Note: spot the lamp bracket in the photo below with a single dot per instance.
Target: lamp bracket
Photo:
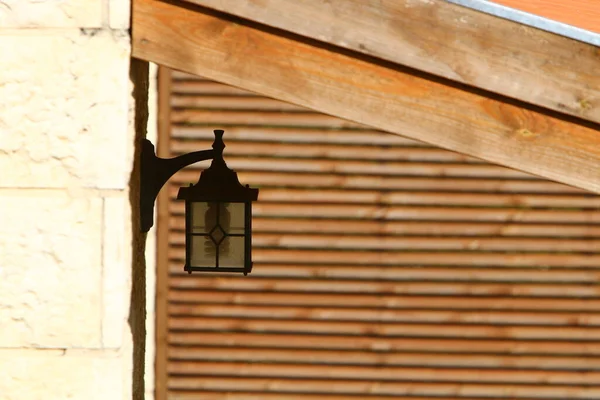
(155, 172)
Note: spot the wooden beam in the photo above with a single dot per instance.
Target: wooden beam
(383, 96)
(447, 40)
(584, 14)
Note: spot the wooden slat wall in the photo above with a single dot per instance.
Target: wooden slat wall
(384, 268)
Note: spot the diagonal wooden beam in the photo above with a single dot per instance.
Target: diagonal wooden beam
(387, 97)
(447, 40)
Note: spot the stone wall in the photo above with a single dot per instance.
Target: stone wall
(66, 231)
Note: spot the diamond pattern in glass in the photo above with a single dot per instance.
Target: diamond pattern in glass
(217, 234)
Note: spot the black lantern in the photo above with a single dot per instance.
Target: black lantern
(218, 218)
(218, 209)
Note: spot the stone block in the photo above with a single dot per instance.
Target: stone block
(51, 13)
(119, 14)
(50, 269)
(64, 109)
(116, 274)
(44, 375)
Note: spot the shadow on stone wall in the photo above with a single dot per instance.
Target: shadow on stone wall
(139, 76)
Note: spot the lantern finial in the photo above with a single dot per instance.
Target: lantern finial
(218, 146)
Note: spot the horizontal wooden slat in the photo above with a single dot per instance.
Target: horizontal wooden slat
(443, 390)
(381, 358)
(565, 276)
(369, 242)
(568, 201)
(379, 343)
(397, 374)
(374, 301)
(396, 287)
(480, 259)
(188, 393)
(283, 313)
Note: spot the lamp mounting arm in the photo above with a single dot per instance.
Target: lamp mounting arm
(156, 171)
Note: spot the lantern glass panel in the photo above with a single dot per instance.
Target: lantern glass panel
(232, 252)
(237, 218)
(198, 211)
(202, 252)
(217, 234)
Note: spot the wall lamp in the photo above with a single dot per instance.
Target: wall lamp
(218, 208)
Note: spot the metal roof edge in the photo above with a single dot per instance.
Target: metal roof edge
(533, 20)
